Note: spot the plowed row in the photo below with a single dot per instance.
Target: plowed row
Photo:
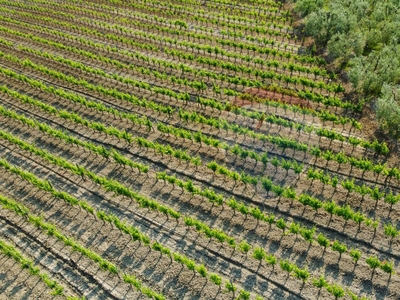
(85, 159)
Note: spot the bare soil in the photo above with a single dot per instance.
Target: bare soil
(81, 276)
(265, 94)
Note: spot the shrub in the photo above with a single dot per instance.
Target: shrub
(202, 270)
(373, 262)
(355, 254)
(281, 224)
(341, 248)
(323, 240)
(213, 166)
(335, 290)
(391, 199)
(259, 253)
(387, 267)
(294, 228)
(321, 282)
(243, 295)
(256, 213)
(302, 274)
(244, 246)
(286, 266)
(391, 231)
(307, 234)
(388, 109)
(216, 279)
(271, 259)
(230, 287)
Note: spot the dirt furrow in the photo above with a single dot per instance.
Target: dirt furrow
(267, 128)
(113, 245)
(281, 176)
(17, 283)
(277, 239)
(53, 254)
(291, 209)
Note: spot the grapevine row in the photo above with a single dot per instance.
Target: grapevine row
(10, 251)
(340, 157)
(324, 115)
(294, 228)
(225, 65)
(105, 7)
(134, 233)
(331, 207)
(285, 164)
(228, 66)
(351, 186)
(380, 148)
(114, 186)
(52, 230)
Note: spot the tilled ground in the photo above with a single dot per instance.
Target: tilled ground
(80, 275)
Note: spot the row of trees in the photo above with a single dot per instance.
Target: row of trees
(363, 37)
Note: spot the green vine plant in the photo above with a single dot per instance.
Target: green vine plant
(116, 187)
(51, 229)
(10, 251)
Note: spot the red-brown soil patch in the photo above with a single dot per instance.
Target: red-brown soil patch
(274, 96)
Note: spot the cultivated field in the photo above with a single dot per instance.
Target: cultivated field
(184, 149)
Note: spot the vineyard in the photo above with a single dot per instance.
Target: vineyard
(185, 149)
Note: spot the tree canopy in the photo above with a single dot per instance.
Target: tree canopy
(388, 109)
(363, 37)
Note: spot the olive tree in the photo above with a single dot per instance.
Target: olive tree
(369, 73)
(305, 7)
(323, 24)
(388, 109)
(343, 46)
